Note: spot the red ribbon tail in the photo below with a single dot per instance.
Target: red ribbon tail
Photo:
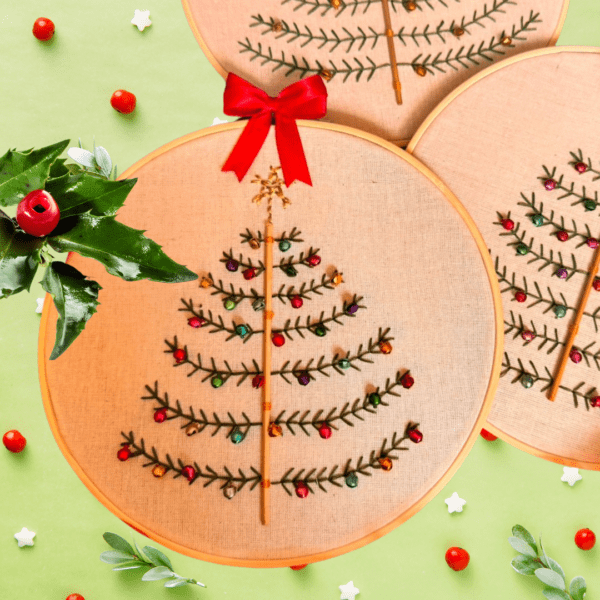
(291, 152)
(248, 145)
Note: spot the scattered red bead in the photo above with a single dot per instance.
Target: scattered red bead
(258, 381)
(124, 453)
(249, 273)
(550, 184)
(592, 243)
(314, 260)
(278, 339)
(43, 29)
(585, 539)
(75, 597)
(528, 336)
(38, 213)
(123, 101)
(596, 284)
(563, 236)
(160, 415)
(189, 473)
(575, 356)
(301, 489)
(196, 322)
(508, 224)
(325, 431)
(297, 302)
(595, 401)
(415, 436)
(581, 167)
(407, 381)
(298, 567)
(520, 296)
(486, 435)
(457, 558)
(179, 355)
(13, 441)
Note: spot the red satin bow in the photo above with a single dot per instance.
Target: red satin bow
(305, 99)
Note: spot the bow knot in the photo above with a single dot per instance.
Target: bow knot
(305, 99)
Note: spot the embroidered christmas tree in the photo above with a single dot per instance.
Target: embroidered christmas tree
(236, 285)
(440, 46)
(563, 254)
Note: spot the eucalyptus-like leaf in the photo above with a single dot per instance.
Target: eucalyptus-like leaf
(114, 557)
(125, 252)
(556, 568)
(19, 257)
(82, 157)
(525, 565)
(103, 161)
(24, 172)
(176, 582)
(554, 594)
(131, 565)
(118, 543)
(157, 573)
(520, 546)
(522, 533)
(577, 588)
(157, 557)
(550, 578)
(542, 554)
(75, 298)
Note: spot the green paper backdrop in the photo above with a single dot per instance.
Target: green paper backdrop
(49, 92)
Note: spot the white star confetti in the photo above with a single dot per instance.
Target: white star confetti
(349, 592)
(217, 121)
(455, 503)
(141, 19)
(40, 305)
(25, 537)
(571, 475)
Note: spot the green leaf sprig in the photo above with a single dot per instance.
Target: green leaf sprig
(125, 557)
(532, 560)
(88, 200)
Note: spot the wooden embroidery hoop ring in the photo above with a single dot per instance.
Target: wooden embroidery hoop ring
(581, 464)
(485, 407)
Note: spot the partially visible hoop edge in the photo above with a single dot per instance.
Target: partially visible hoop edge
(470, 441)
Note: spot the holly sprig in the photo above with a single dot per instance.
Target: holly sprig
(533, 560)
(125, 557)
(88, 201)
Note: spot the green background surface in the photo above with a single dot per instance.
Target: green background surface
(59, 90)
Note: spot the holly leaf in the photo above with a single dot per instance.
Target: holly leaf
(118, 543)
(19, 257)
(577, 588)
(81, 192)
(525, 565)
(157, 557)
(550, 578)
(554, 594)
(520, 546)
(125, 252)
(23, 172)
(157, 573)
(75, 298)
(522, 533)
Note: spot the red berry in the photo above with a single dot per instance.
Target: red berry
(520, 296)
(457, 558)
(160, 415)
(249, 273)
(189, 473)
(43, 29)
(550, 184)
(14, 441)
(596, 284)
(297, 302)
(124, 453)
(407, 381)
(123, 101)
(38, 214)
(508, 224)
(563, 236)
(196, 322)
(486, 435)
(298, 567)
(278, 340)
(179, 355)
(325, 431)
(585, 539)
(258, 381)
(301, 489)
(581, 167)
(314, 260)
(75, 597)
(415, 436)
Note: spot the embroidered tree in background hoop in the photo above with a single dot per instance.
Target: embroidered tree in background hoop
(443, 45)
(565, 257)
(218, 373)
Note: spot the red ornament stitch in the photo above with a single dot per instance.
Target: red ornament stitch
(196, 322)
(596, 284)
(258, 381)
(563, 236)
(189, 473)
(278, 339)
(407, 381)
(581, 167)
(297, 302)
(314, 260)
(124, 453)
(325, 431)
(415, 436)
(160, 415)
(302, 490)
(575, 356)
(508, 224)
(249, 273)
(179, 355)
(550, 184)
(520, 296)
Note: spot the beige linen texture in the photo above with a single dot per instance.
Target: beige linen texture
(399, 243)
(509, 124)
(368, 102)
